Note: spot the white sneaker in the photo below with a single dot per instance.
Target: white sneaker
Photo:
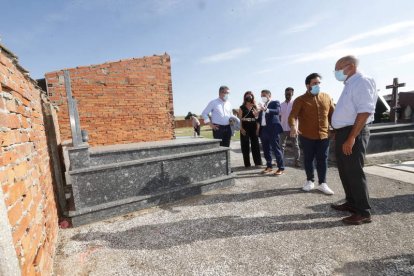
(325, 189)
(308, 186)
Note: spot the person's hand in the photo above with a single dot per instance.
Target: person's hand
(213, 126)
(348, 145)
(255, 113)
(242, 131)
(294, 131)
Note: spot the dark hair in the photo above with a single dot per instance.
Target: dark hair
(289, 89)
(251, 94)
(311, 77)
(223, 88)
(267, 92)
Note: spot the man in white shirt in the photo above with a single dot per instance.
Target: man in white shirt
(285, 109)
(354, 110)
(220, 111)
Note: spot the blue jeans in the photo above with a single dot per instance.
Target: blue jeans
(315, 149)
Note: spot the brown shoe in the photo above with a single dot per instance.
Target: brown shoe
(343, 207)
(357, 219)
(279, 172)
(267, 170)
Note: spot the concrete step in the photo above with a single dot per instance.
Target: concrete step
(388, 127)
(397, 156)
(115, 208)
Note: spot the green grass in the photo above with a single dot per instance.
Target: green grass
(205, 132)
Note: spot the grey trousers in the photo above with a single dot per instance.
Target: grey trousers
(284, 137)
(351, 171)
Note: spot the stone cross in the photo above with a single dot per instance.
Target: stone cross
(73, 112)
(394, 102)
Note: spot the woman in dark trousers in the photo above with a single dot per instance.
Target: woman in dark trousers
(248, 135)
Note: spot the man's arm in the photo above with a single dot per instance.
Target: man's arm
(273, 108)
(293, 118)
(360, 122)
(206, 112)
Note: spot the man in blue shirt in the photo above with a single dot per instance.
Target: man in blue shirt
(354, 110)
(221, 111)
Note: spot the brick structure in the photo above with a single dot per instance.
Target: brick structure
(119, 102)
(25, 172)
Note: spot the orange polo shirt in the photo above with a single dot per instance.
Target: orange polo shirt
(314, 114)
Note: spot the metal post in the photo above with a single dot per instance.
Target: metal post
(73, 112)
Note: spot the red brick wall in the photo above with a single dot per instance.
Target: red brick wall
(25, 174)
(186, 123)
(119, 102)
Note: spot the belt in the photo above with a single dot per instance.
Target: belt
(221, 125)
(347, 127)
(248, 119)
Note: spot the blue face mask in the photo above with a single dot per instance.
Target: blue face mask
(315, 89)
(340, 76)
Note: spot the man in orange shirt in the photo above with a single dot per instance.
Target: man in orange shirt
(313, 110)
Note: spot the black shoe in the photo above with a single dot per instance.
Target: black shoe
(356, 219)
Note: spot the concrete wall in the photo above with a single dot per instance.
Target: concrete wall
(119, 102)
(25, 172)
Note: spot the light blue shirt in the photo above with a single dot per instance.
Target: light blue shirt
(359, 96)
(220, 110)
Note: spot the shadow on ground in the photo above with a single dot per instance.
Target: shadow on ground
(161, 236)
(395, 265)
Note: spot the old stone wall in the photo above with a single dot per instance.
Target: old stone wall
(25, 172)
(118, 102)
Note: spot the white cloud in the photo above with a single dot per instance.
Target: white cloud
(301, 27)
(403, 59)
(402, 38)
(264, 71)
(393, 28)
(229, 55)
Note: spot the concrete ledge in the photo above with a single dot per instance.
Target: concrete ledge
(389, 157)
(121, 207)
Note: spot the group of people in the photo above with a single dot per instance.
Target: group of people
(311, 119)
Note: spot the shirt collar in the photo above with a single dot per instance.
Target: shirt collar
(353, 78)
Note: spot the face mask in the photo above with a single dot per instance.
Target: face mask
(315, 89)
(226, 97)
(264, 99)
(340, 76)
(249, 99)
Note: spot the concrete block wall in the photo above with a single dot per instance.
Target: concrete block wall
(25, 172)
(119, 102)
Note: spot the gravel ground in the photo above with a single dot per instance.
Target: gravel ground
(264, 225)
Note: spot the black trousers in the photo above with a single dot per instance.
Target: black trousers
(245, 141)
(224, 134)
(351, 171)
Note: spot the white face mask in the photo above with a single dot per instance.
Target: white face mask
(226, 97)
(265, 99)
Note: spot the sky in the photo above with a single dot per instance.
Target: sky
(244, 44)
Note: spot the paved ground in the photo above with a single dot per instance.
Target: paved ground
(262, 226)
